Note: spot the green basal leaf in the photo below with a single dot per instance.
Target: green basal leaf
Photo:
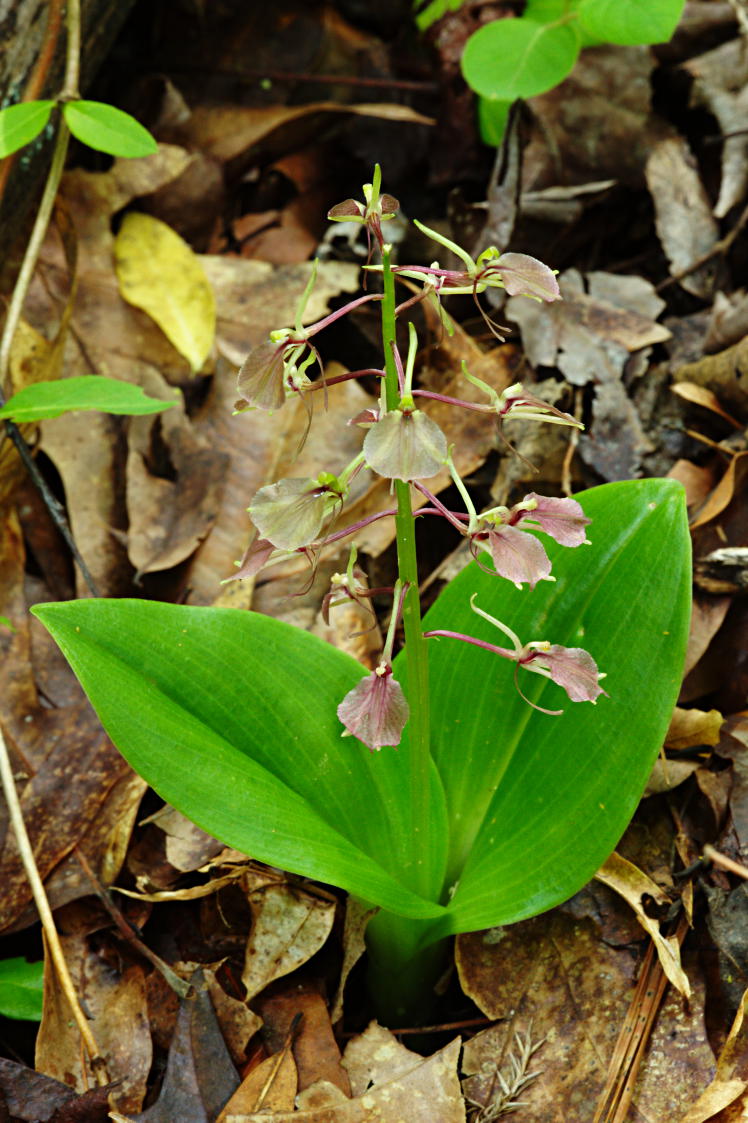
(632, 22)
(21, 986)
(513, 58)
(107, 129)
(231, 717)
(19, 124)
(536, 803)
(42, 400)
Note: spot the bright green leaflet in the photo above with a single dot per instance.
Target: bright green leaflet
(513, 58)
(492, 119)
(231, 717)
(632, 22)
(107, 129)
(19, 124)
(87, 391)
(21, 986)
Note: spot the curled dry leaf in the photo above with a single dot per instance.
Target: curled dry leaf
(631, 883)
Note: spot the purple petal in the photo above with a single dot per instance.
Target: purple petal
(347, 211)
(255, 557)
(562, 519)
(518, 556)
(526, 276)
(570, 667)
(376, 710)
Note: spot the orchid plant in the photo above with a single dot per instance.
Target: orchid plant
(440, 789)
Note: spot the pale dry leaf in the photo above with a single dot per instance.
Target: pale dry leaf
(729, 1081)
(158, 272)
(685, 224)
(631, 883)
(289, 926)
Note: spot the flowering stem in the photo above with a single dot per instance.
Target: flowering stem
(415, 645)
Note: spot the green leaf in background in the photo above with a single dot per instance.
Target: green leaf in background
(429, 13)
(42, 400)
(107, 129)
(19, 124)
(630, 22)
(5, 623)
(492, 119)
(231, 716)
(21, 986)
(536, 803)
(512, 58)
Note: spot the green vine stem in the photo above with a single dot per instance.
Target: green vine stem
(415, 645)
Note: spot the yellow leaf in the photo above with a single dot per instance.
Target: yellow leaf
(158, 272)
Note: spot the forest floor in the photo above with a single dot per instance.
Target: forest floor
(630, 179)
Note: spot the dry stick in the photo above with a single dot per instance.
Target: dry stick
(615, 1099)
(23, 281)
(724, 862)
(26, 852)
(178, 985)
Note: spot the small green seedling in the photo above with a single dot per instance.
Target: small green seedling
(508, 59)
(96, 124)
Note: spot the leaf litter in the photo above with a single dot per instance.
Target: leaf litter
(643, 210)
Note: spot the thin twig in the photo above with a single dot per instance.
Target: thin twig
(178, 985)
(724, 862)
(25, 850)
(720, 247)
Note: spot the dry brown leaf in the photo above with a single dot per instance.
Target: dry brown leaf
(723, 494)
(683, 216)
(229, 131)
(570, 980)
(404, 1086)
(724, 374)
(297, 1013)
(631, 883)
(112, 998)
(730, 1080)
(237, 1022)
(707, 617)
(289, 926)
(698, 482)
(270, 1088)
(701, 396)
(689, 728)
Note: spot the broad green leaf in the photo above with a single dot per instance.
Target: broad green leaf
(158, 272)
(512, 58)
(632, 21)
(87, 391)
(21, 986)
(107, 129)
(537, 802)
(231, 717)
(20, 123)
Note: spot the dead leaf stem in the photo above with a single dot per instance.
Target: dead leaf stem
(98, 1064)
